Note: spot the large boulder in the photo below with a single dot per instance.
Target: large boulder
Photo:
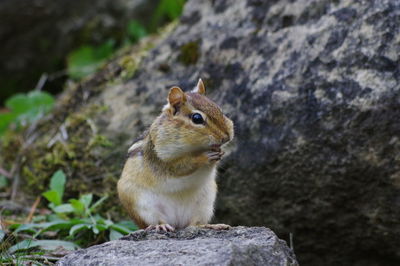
(313, 89)
(191, 246)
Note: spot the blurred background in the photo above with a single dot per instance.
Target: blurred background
(311, 85)
(57, 40)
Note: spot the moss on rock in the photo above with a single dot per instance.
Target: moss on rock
(189, 53)
(73, 137)
(75, 147)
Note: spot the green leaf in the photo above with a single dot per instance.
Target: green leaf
(3, 181)
(39, 218)
(114, 235)
(25, 108)
(24, 244)
(101, 227)
(5, 121)
(81, 63)
(128, 224)
(98, 203)
(173, 9)
(14, 226)
(99, 220)
(78, 206)
(86, 200)
(19, 103)
(108, 222)
(78, 227)
(31, 228)
(31, 104)
(120, 228)
(136, 31)
(64, 208)
(41, 98)
(95, 230)
(86, 59)
(87, 220)
(57, 225)
(57, 182)
(43, 244)
(52, 196)
(170, 9)
(53, 217)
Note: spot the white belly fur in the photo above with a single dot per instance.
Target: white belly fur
(180, 201)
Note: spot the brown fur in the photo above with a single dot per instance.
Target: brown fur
(211, 109)
(128, 201)
(181, 166)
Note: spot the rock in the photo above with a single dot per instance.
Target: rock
(313, 89)
(191, 246)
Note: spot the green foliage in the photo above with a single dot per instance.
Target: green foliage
(32, 252)
(135, 31)
(57, 183)
(43, 244)
(25, 109)
(74, 223)
(167, 9)
(3, 184)
(82, 211)
(87, 59)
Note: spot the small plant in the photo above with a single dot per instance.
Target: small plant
(167, 9)
(87, 59)
(135, 31)
(25, 109)
(75, 222)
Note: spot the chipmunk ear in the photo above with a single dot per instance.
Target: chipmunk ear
(176, 97)
(200, 88)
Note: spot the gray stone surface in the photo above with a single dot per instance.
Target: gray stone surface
(192, 246)
(313, 88)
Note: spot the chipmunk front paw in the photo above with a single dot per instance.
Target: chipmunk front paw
(214, 156)
(160, 228)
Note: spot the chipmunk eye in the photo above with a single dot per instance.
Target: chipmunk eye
(197, 118)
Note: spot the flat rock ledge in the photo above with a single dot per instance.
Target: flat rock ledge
(191, 246)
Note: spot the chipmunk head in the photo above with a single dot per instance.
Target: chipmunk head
(190, 122)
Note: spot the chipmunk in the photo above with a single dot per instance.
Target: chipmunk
(168, 181)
